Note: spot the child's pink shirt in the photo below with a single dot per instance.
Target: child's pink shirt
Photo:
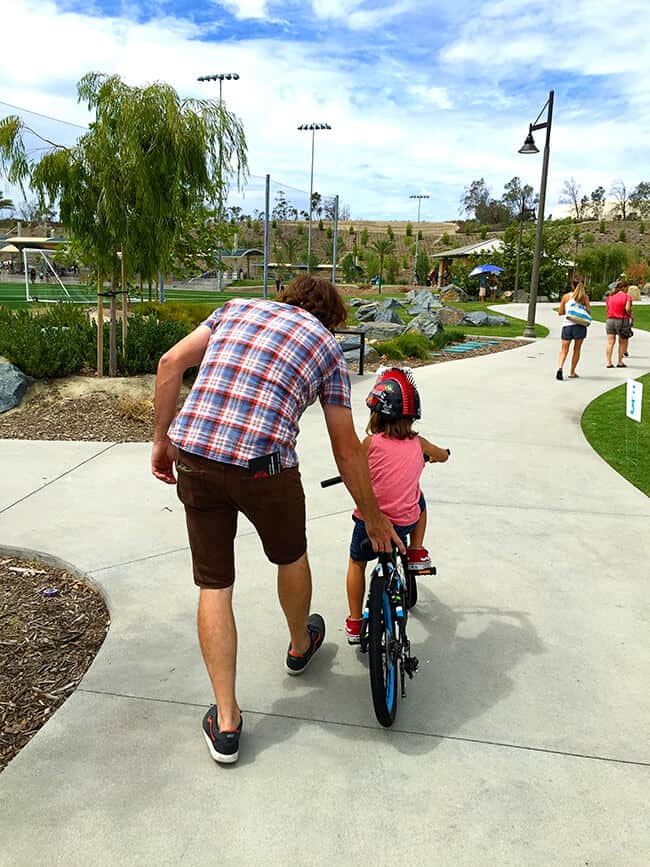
(395, 470)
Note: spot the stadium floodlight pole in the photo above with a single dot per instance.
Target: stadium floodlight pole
(419, 197)
(219, 76)
(529, 147)
(311, 127)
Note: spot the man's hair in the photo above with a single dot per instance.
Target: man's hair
(397, 429)
(318, 297)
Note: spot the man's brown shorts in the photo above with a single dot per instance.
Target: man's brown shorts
(214, 493)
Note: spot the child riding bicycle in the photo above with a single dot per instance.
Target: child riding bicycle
(396, 457)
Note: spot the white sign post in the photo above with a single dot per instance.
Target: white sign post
(634, 399)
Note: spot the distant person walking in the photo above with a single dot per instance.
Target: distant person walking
(572, 330)
(619, 322)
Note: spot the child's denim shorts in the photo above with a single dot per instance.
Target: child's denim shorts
(363, 553)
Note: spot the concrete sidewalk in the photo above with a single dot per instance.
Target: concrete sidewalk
(524, 737)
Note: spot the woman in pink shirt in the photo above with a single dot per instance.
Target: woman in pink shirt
(396, 460)
(619, 322)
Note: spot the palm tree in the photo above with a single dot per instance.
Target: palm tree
(383, 247)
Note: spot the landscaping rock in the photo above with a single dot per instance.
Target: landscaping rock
(355, 302)
(13, 385)
(382, 330)
(634, 292)
(451, 315)
(349, 343)
(476, 317)
(520, 296)
(367, 313)
(646, 289)
(507, 296)
(370, 355)
(388, 316)
(392, 304)
(497, 320)
(426, 323)
(453, 293)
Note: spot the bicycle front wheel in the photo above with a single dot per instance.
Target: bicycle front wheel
(381, 652)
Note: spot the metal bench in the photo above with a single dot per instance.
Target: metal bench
(362, 343)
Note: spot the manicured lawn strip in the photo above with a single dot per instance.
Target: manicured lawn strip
(641, 315)
(623, 443)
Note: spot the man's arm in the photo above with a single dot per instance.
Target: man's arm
(351, 459)
(188, 352)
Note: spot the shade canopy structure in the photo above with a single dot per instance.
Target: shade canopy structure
(9, 248)
(485, 269)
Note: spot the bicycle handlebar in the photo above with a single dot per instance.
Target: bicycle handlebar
(335, 480)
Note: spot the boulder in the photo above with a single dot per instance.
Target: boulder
(507, 296)
(13, 385)
(392, 304)
(388, 316)
(451, 315)
(453, 293)
(476, 317)
(426, 323)
(543, 299)
(382, 330)
(646, 289)
(497, 320)
(520, 296)
(634, 292)
(355, 302)
(370, 354)
(367, 312)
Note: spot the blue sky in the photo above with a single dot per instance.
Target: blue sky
(420, 99)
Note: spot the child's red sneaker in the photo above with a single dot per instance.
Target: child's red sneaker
(353, 630)
(419, 562)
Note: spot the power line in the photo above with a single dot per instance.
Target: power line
(44, 116)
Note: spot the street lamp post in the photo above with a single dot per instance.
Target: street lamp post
(529, 147)
(419, 197)
(312, 127)
(219, 76)
(525, 214)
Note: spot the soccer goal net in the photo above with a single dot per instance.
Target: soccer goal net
(43, 283)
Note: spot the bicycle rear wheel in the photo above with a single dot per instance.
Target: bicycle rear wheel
(381, 652)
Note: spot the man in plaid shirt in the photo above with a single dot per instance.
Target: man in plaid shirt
(262, 363)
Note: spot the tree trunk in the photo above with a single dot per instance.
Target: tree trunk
(100, 326)
(112, 346)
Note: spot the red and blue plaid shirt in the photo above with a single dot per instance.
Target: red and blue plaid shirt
(265, 363)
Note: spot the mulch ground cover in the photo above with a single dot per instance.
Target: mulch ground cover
(51, 626)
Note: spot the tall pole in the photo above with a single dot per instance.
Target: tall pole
(312, 127)
(521, 231)
(335, 239)
(311, 201)
(529, 330)
(419, 197)
(220, 77)
(267, 216)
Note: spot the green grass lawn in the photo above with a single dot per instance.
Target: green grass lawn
(623, 443)
(641, 315)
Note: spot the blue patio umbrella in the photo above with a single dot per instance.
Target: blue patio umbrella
(485, 269)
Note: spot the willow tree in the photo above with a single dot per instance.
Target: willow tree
(133, 183)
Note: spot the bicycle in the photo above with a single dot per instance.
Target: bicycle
(392, 592)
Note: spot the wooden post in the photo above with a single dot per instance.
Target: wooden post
(112, 346)
(100, 326)
(125, 306)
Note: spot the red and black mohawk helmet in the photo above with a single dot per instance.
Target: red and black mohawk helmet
(394, 395)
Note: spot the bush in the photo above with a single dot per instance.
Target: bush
(364, 238)
(187, 313)
(57, 343)
(414, 345)
(409, 230)
(351, 230)
(449, 335)
(588, 238)
(622, 237)
(601, 227)
(597, 291)
(641, 228)
(483, 230)
(445, 239)
(147, 339)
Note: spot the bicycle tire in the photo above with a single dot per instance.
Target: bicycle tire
(411, 591)
(383, 669)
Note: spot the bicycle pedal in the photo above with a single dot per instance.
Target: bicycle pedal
(411, 665)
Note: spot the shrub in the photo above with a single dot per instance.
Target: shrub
(641, 228)
(300, 229)
(448, 335)
(147, 339)
(597, 291)
(409, 230)
(187, 313)
(588, 238)
(364, 238)
(622, 237)
(329, 232)
(320, 225)
(351, 230)
(483, 230)
(57, 343)
(411, 345)
(601, 227)
(390, 233)
(445, 239)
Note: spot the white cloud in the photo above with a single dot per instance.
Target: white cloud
(438, 96)
(245, 8)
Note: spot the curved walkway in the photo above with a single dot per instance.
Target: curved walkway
(523, 739)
